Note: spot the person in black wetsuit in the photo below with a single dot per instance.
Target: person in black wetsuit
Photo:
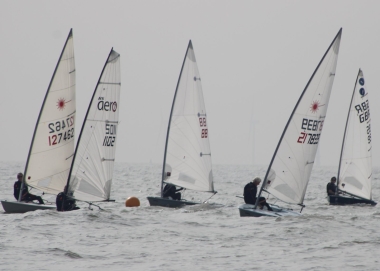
(250, 191)
(331, 187)
(65, 203)
(171, 191)
(25, 195)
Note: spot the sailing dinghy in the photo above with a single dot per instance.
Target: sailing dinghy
(52, 147)
(91, 173)
(187, 156)
(355, 165)
(290, 168)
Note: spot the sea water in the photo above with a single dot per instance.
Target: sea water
(201, 237)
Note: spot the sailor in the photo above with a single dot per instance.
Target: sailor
(25, 195)
(331, 187)
(250, 191)
(65, 202)
(170, 190)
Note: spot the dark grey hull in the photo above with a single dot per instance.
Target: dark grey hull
(339, 200)
(249, 210)
(23, 207)
(164, 202)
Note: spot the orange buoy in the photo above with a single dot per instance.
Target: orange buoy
(132, 202)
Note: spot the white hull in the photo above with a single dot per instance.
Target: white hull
(23, 207)
(249, 210)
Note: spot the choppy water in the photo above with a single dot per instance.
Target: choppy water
(201, 237)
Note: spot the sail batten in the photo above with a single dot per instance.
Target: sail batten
(187, 135)
(92, 168)
(289, 171)
(355, 165)
(52, 145)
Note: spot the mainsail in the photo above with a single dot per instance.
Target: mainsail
(52, 146)
(289, 171)
(355, 165)
(187, 158)
(93, 164)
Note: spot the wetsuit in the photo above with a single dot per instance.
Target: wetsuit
(171, 191)
(26, 196)
(64, 203)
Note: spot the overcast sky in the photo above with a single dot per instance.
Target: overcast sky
(254, 57)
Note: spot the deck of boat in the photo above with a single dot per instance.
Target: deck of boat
(249, 210)
(23, 207)
(165, 202)
(340, 200)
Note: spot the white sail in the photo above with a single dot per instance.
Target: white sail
(355, 169)
(290, 169)
(92, 170)
(188, 154)
(52, 146)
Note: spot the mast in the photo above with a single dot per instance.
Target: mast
(42, 107)
(83, 125)
(170, 118)
(344, 135)
(291, 116)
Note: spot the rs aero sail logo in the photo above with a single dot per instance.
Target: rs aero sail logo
(106, 105)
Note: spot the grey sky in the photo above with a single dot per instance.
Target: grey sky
(254, 57)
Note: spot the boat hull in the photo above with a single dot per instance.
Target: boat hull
(339, 200)
(23, 207)
(158, 201)
(249, 210)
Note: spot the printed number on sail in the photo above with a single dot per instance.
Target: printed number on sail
(363, 111)
(61, 126)
(310, 125)
(110, 137)
(203, 123)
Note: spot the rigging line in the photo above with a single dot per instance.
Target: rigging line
(68, 58)
(210, 197)
(55, 90)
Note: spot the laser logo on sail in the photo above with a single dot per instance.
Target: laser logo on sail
(61, 103)
(314, 106)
